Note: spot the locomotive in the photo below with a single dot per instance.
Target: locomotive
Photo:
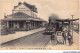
(57, 27)
(53, 25)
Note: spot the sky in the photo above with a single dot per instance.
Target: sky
(63, 8)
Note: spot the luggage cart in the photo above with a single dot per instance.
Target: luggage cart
(59, 37)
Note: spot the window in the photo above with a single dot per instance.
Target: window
(21, 8)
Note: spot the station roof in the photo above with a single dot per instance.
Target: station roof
(18, 15)
(21, 16)
(16, 19)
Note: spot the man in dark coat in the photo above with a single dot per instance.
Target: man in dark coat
(64, 37)
(69, 38)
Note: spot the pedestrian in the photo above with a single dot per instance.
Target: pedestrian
(53, 39)
(53, 36)
(64, 37)
(69, 38)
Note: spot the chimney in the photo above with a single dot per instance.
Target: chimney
(19, 3)
(5, 16)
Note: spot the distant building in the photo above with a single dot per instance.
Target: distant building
(76, 26)
(23, 17)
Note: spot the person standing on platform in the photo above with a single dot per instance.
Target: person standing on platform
(64, 37)
(69, 38)
(53, 38)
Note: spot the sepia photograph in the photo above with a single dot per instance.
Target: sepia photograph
(39, 24)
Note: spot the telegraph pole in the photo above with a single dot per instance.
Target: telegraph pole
(72, 26)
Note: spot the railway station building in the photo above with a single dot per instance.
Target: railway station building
(23, 17)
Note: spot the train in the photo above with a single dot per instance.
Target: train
(57, 27)
(55, 24)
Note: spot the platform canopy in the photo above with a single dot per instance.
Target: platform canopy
(66, 20)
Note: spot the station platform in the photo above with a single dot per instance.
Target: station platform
(66, 46)
(18, 34)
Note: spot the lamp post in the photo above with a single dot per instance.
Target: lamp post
(72, 27)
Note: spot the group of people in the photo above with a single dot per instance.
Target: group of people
(67, 37)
